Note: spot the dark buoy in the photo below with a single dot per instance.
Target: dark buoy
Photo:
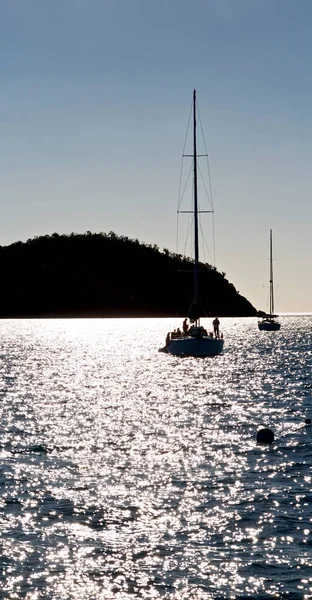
(308, 421)
(265, 436)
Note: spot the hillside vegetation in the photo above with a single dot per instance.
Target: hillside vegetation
(107, 275)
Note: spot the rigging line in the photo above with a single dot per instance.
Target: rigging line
(213, 240)
(212, 207)
(180, 184)
(209, 179)
(204, 184)
(185, 186)
(178, 211)
(264, 285)
(190, 225)
(204, 243)
(207, 156)
(181, 168)
(213, 258)
(189, 231)
(205, 247)
(202, 239)
(179, 204)
(210, 187)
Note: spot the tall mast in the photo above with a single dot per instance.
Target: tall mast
(195, 301)
(271, 278)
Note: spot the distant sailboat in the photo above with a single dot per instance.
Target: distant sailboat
(195, 341)
(269, 322)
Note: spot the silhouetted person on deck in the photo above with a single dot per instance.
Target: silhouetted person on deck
(185, 326)
(216, 324)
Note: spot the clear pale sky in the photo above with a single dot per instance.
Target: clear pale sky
(95, 96)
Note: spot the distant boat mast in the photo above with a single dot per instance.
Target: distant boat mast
(271, 277)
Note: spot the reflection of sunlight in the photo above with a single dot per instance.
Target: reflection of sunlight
(128, 473)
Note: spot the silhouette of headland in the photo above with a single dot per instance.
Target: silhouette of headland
(106, 275)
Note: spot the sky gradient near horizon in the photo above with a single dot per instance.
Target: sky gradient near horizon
(93, 110)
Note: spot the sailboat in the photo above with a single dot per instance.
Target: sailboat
(269, 322)
(195, 341)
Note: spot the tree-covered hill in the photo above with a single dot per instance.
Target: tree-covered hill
(107, 275)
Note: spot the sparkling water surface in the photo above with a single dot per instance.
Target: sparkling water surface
(128, 473)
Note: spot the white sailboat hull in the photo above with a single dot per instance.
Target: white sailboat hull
(192, 346)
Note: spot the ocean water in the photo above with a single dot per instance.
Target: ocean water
(127, 473)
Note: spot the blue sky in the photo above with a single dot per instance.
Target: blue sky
(94, 102)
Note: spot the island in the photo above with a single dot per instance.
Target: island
(107, 275)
